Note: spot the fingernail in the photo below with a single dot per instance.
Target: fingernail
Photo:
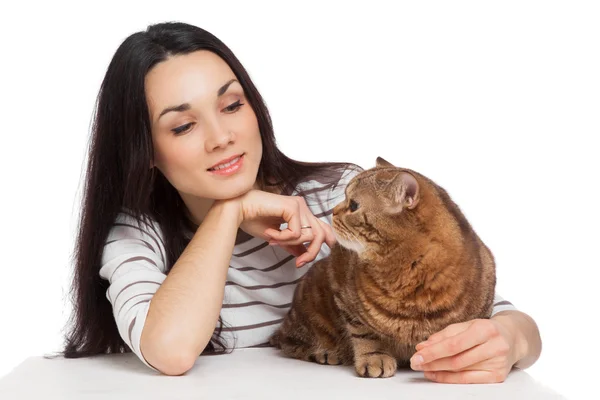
(301, 264)
(416, 361)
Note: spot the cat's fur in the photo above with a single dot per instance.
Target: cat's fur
(406, 265)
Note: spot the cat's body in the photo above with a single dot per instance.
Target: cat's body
(407, 264)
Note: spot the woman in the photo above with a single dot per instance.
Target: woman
(185, 186)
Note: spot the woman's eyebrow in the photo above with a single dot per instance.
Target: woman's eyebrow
(186, 106)
(224, 88)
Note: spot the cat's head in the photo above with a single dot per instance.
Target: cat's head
(381, 207)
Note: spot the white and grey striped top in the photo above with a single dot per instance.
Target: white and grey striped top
(260, 280)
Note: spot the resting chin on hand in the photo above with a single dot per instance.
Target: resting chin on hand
(480, 350)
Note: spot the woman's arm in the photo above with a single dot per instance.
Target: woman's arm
(184, 310)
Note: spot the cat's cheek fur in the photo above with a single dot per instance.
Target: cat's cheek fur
(357, 247)
(353, 245)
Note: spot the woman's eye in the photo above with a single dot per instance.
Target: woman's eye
(231, 108)
(353, 205)
(182, 128)
(234, 107)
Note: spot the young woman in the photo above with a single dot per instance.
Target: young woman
(185, 188)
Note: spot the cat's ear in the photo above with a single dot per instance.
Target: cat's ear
(380, 162)
(405, 189)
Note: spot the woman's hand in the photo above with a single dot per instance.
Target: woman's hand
(262, 213)
(476, 351)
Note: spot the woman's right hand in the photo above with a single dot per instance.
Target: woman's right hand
(262, 213)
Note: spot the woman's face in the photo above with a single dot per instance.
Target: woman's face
(200, 117)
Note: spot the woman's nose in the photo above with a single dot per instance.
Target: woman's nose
(218, 138)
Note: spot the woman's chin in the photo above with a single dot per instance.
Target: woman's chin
(234, 192)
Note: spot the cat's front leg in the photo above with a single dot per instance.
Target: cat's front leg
(371, 357)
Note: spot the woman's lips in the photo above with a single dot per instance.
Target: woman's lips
(227, 160)
(230, 169)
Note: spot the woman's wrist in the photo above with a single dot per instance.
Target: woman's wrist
(526, 341)
(229, 207)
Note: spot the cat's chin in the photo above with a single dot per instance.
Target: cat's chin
(353, 245)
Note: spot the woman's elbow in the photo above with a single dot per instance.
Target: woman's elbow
(167, 359)
(174, 367)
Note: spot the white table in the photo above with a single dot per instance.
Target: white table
(243, 374)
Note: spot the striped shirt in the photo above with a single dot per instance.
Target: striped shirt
(260, 279)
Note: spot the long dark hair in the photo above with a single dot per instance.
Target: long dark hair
(118, 176)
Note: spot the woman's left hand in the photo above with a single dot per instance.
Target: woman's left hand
(476, 351)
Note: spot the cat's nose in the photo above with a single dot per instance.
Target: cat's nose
(337, 208)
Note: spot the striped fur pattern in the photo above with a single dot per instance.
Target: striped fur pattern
(406, 264)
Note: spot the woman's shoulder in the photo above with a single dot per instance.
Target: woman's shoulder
(144, 223)
(127, 228)
(326, 184)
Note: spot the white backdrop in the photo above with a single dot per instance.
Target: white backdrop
(496, 101)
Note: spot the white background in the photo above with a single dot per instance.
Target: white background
(496, 101)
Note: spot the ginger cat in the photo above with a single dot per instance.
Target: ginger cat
(406, 264)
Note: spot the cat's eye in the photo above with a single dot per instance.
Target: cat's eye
(353, 205)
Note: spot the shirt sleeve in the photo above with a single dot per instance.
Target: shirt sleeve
(133, 263)
(500, 304)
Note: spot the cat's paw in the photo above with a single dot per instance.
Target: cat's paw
(375, 365)
(326, 358)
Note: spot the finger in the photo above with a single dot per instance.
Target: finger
(291, 214)
(329, 235)
(294, 220)
(493, 354)
(464, 360)
(295, 250)
(449, 331)
(284, 235)
(315, 245)
(466, 377)
(474, 335)
(306, 236)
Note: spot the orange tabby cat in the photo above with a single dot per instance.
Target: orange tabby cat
(406, 265)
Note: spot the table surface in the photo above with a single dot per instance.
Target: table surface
(244, 374)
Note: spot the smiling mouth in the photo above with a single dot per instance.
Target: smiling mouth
(227, 164)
